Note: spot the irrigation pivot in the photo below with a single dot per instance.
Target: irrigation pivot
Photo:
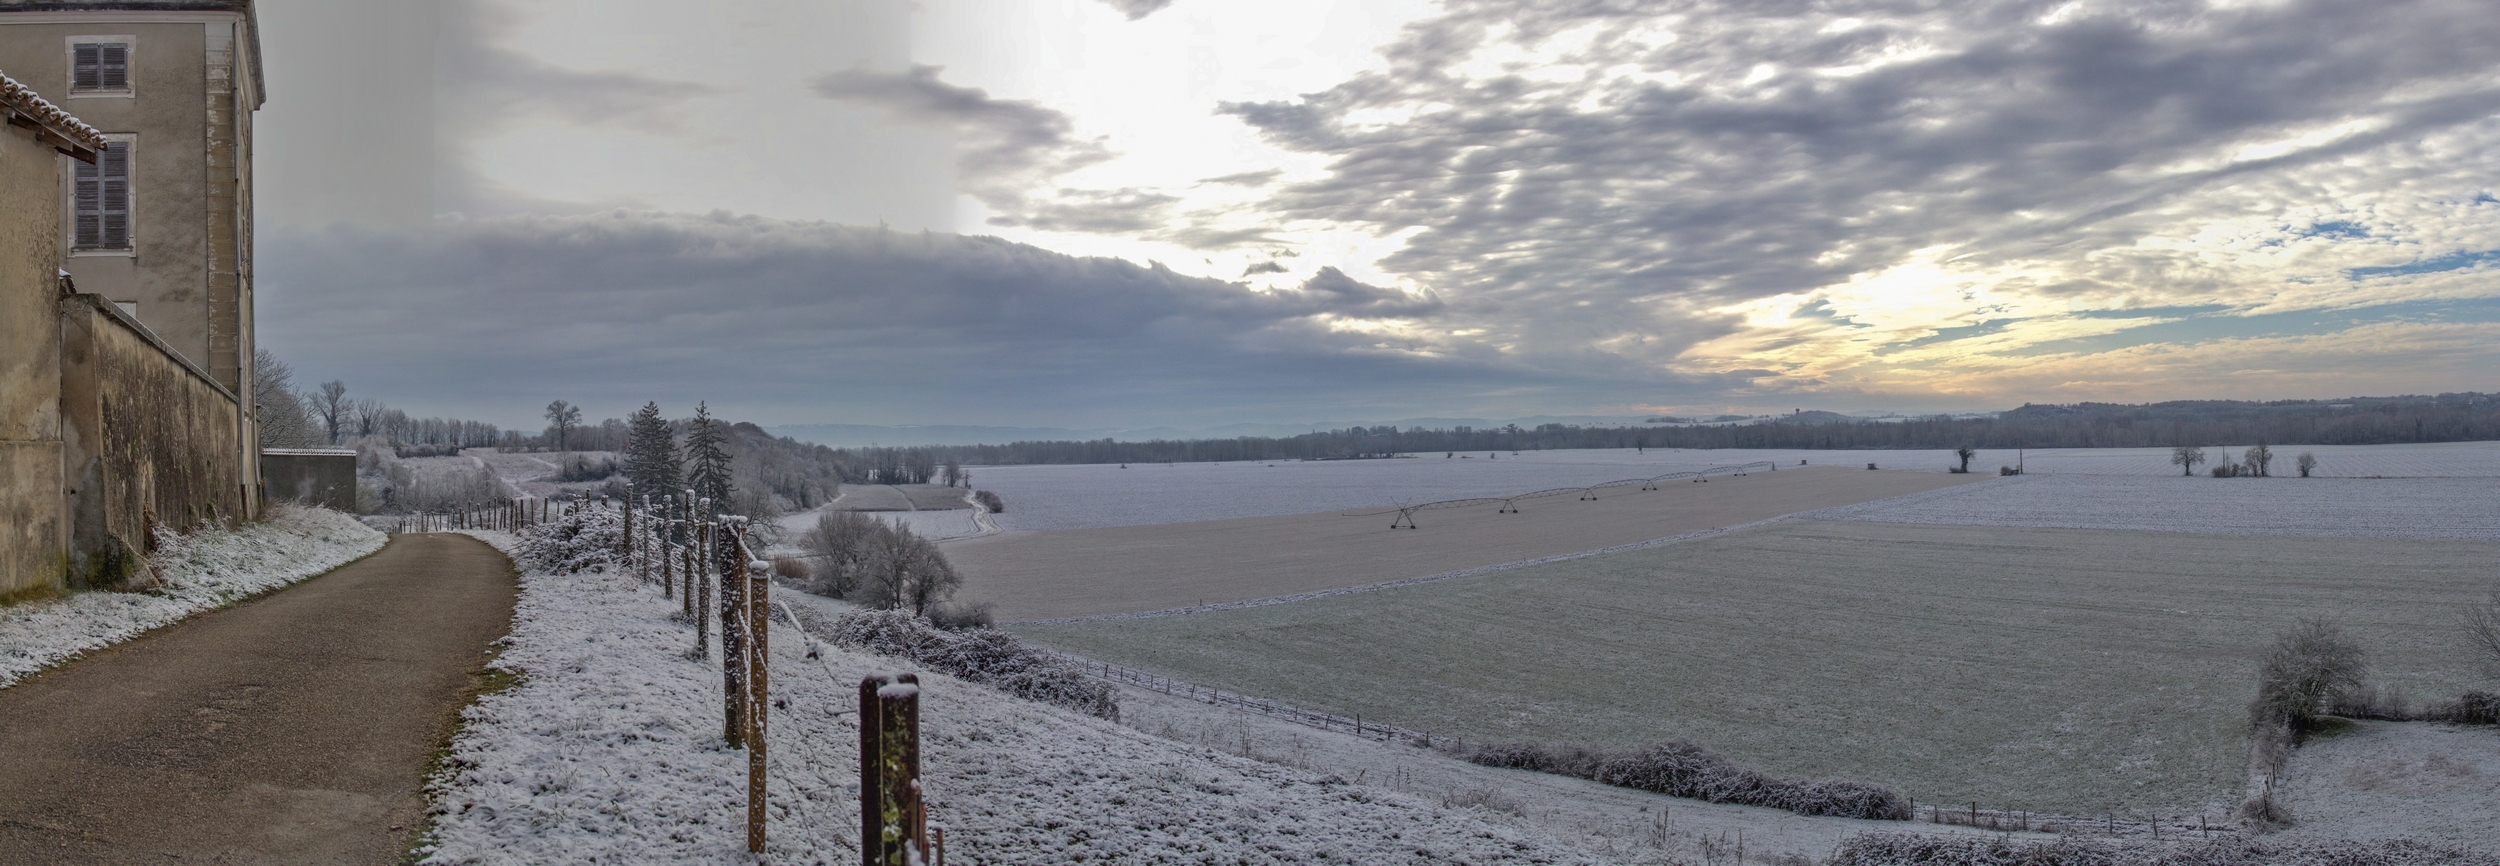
(1510, 504)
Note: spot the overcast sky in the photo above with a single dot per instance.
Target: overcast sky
(1195, 212)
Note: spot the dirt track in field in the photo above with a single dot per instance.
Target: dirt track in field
(295, 728)
(1083, 572)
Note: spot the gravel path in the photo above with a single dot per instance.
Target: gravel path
(291, 729)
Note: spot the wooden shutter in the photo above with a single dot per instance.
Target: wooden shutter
(113, 164)
(87, 66)
(100, 200)
(113, 65)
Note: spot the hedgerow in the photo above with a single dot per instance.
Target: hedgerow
(982, 655)
(1682, 768)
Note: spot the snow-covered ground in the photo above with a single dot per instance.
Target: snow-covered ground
(2339, 507)
(609, 751)
(1096, 495)
(2423, 780)
(203, 571)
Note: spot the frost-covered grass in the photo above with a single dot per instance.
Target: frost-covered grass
(2053, 670)
(2314, 507)
(203, 571)
(1085, 496)
(609, 752)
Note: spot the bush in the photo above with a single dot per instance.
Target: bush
(961, 617)
(2307, 668)
(585, 540)
(580, 468)
(2474, 708)
(981, 655)
(1903, 849)
(1682, 768)
(990, 500)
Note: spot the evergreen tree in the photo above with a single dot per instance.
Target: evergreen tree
(651, 461)
(707, 458)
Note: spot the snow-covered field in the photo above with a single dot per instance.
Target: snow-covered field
(1086, 496)
(2330, 507)
(2428, 781)
(2055, 670)
(203, 571)
(608, 751)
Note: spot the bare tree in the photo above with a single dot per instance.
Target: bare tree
(1966, 453)
(2260, 460)
(2482, 632)
(2306, 461)
(275, 405)
(563, 417)
(330, 404)
(369, 416)
(2187, 458)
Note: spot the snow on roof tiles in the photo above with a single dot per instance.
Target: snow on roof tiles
(27, 109)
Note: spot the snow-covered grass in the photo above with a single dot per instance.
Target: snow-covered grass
(1087, 496)
(208, 570)
(2314, 507)
(609, 752)
(2051, 670)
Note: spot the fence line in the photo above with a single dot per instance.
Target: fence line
(511, 515)
(1354, 724)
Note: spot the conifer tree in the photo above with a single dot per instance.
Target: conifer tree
(707, 458)
(651, 460)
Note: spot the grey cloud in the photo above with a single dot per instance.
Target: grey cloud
(1010, 147)
(485, 82)
(1268, 267)
(1137, 9)
(1612, 208)
(788, 322)
(1248, 178)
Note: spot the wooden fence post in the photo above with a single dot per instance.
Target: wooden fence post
(732, 570)
(759, 657)
(893, 820)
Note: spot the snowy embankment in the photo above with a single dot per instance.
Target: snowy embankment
(610, 751)
(209, 570)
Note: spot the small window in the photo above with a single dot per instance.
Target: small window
(98, 66)
(100, 196)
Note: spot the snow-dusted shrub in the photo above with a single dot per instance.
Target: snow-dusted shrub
(2473, 708)
(585, 540)
(1681, 768)
(1903, 849)
(987, 656)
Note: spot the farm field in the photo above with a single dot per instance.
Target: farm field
(1092, 496)
(2057, 670)
(2373, 507)
(1116, 570)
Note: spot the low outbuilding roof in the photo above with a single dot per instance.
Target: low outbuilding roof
(65, 132)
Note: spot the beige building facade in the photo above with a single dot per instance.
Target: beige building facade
(161, 224)
(108, 429)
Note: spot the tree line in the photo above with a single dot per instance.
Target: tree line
(2455, 417)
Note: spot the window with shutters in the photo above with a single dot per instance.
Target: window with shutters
(99, 65)
(100, 199)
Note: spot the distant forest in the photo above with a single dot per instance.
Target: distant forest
(2352, 421)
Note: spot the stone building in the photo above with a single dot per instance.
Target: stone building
(107, 430)
(161, 223)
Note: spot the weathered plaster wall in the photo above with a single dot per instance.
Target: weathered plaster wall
(323, 477)
(144, 433)
(33, 534)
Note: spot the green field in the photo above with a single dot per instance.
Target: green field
(2063, 671)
